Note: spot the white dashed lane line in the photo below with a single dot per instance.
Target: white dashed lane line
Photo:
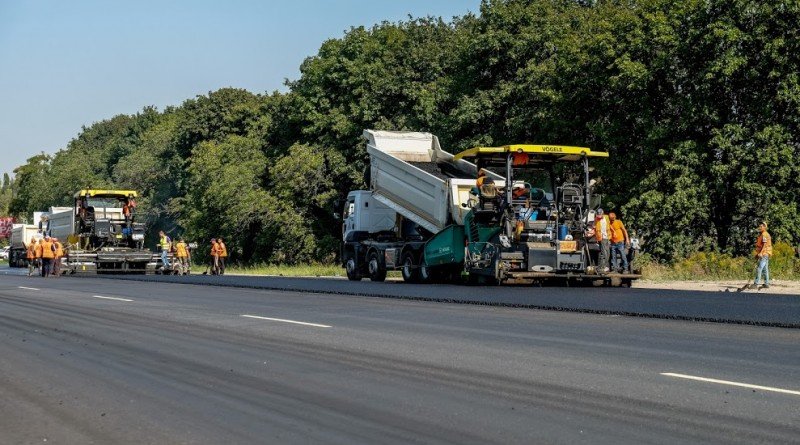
(110, 298)
(28, 288)
(729, 383)
(287, 321)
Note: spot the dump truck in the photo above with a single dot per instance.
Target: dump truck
(21, 235)
(417, 190)
(101, 234)
(426, 216)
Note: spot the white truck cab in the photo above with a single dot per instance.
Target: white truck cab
(364, 215)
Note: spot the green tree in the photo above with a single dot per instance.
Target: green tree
(32, 193)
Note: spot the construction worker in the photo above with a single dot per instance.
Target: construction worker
(44, 225)
(223, 255)
(619, 242)
(126, 213)
(602, 232)
(636, 245)
(481, 178)
(214, 257)
(182, 255)
(165, 244)
(763, 252)
(30, 252)
(38, 256)
(59, 253)
(47, 256)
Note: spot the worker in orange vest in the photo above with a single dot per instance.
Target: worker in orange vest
(619, 242)
(214, 257)
(763, 252)
(59, 253)
(38, 256)
(481, 178)
(222, 249)
(30, 251)
(603, 232)
(47, 256)
(182, 254)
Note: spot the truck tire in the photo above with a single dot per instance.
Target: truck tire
(427, 274)
(409, 270)
(352, 270)
(376, 270)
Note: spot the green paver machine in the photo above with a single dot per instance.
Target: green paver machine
(518, 232)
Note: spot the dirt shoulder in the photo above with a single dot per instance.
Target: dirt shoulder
(778, 287)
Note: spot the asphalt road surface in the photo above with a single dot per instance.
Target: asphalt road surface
(723, 307)
(110, 361)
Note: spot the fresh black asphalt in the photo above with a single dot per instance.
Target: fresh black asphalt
(725, 307)
(174, 363)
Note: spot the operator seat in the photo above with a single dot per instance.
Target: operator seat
(488, 198)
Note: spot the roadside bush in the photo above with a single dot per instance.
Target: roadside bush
(711, 265)
(783, 263)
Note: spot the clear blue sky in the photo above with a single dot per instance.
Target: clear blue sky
(65, 64)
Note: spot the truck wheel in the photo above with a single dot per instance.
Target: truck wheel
(376, 271)
(409, 272)
(426, 273)
(352, 271)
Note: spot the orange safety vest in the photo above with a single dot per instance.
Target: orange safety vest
(598, 228)
(47, 250)
(38, 250)
(764, 244)
(180, 250)
(59, 249)
(617, 231)
(214, 249)
(31, 251)
(223, 251)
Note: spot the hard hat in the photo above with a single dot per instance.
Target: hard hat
(599, 211)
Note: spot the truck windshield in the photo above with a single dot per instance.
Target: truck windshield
(108, 203)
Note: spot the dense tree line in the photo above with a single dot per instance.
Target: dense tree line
(698, 102)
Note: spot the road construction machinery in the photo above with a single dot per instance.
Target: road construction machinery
(21, 235)
(426, 215)
(101, 234)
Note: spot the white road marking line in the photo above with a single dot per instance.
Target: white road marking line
(110, 298)
(27, 288)
(288, 321)
(727, 382)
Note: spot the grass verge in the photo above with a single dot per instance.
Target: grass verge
(284, 270)
(715, 266)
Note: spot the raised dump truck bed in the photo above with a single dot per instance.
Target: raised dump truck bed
(412, 175)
